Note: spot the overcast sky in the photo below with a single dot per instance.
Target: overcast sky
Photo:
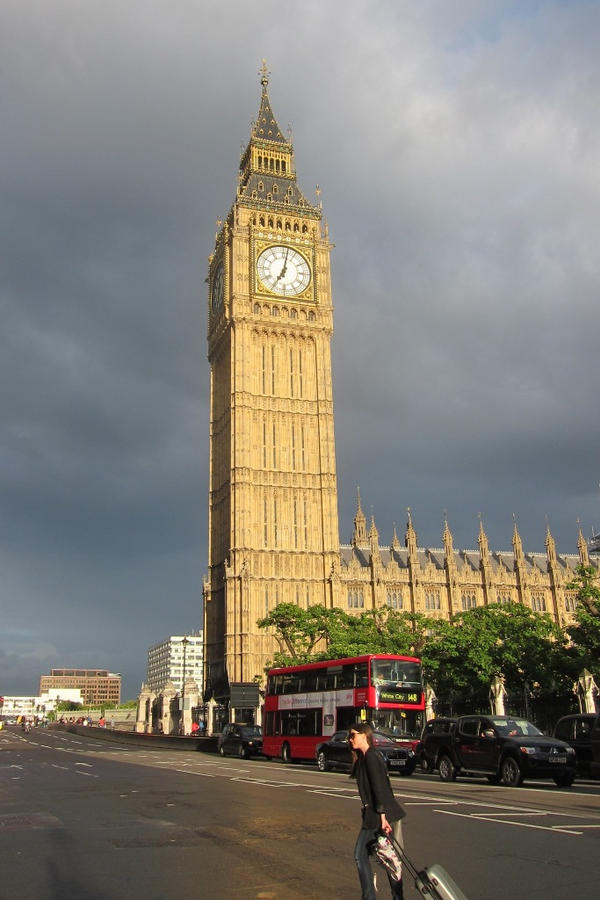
(457, 147)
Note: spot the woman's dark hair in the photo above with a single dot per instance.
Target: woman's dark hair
(361, 728)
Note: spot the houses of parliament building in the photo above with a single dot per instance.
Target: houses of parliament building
(273, 510)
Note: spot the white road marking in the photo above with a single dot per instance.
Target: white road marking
(497, 820)
(328, 794)
(201, 774)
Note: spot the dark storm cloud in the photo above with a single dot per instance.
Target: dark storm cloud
(456, 148)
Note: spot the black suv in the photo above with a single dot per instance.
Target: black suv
(577, 731)
(503, 748)
(240, 740)
(336, 753)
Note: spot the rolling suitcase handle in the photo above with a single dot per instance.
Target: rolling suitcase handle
(433, 881)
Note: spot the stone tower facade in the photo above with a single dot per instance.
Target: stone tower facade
(273, 519)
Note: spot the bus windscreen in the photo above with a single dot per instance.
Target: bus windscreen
(396, 673)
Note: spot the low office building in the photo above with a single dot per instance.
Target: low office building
(97, 686)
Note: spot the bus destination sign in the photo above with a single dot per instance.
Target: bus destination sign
(392, 694)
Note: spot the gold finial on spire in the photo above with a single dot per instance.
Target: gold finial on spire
(264, 74)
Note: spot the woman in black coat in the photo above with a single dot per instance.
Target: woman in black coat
(380, 811)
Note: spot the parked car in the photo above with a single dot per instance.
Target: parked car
(240, 740)
(577, 731)
(336, 753)
(427, 749)
(504, 748)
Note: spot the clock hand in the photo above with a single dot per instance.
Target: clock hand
(284, 268)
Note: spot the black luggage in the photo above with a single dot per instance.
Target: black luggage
(433, 881)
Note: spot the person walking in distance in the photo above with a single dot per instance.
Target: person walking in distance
(380, 809)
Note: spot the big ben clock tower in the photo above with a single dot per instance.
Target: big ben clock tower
(273, 520)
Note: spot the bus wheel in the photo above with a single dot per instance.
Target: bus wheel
(286, 754)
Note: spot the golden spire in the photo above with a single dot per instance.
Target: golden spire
(360, 523)
(447, 537)
(582, 546)
(482, 540)
(550, 544)
(410, 538)
(517, 542)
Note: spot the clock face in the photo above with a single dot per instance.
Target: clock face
(283, 270)
(217, 289)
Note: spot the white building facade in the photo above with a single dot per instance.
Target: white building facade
(177, 658)
(40, 706)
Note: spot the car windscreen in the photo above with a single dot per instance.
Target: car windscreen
(516, 728)
(380, 738)
(251, 731)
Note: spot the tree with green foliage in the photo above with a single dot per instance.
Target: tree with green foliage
(463, 656)
(382, 630)
(299, 632)
(585, 633)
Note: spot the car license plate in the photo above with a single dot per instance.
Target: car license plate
(397, 762)
(559, 758)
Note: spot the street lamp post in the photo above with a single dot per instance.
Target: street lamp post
(185, 642)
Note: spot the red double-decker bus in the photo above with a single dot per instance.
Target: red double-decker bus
(306, 704)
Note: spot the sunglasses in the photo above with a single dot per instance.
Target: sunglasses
(352, 735)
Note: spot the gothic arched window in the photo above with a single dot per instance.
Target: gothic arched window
(356, 598)
(394, 599)
(538, 602)
(432, 600)
(469, 601)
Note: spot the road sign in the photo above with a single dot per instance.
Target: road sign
(244, 693)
